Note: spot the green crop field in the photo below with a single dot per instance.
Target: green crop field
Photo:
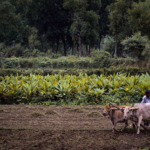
(73, 90)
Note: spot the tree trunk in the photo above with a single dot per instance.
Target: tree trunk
(64, 46)
(79, 46)
(52, 47)
(115, 48)
(122, 52)
(100, 43)
(4, 34)
(57, 45)
(87, 50)
(27, 41)
(72, 49)
(33, 42)
(91, 47)
(41, 43)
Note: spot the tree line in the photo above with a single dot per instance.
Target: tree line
(62, 25)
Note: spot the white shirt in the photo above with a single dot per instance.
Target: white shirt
(145, 99)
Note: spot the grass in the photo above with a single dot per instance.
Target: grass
(76, 110)
(1, 110)
(51, 112)
(94, 114)
(36, 114)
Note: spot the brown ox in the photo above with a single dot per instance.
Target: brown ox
(116, 116)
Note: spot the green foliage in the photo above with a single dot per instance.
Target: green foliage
(98, 60)
(11, 62)
(129, 17)
(108, 71)
(118, 17)
(1, 60)
(61, 27)
(85, 21)
(109, 44)
(16, 51)
(104, 20)
(13, 22)
(76, 90)
(139, 15)
(137, 45)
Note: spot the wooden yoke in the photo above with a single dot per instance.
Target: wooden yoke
(115, 107)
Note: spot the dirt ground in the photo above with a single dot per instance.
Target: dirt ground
(24, 127)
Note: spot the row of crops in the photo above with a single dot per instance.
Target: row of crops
(73, 90)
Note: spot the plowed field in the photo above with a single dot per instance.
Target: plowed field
(24, 127)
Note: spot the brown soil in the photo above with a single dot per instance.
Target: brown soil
(70, 130)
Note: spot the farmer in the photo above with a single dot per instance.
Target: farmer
(146, 99)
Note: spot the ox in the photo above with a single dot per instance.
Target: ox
(140, 111)
(116, 115)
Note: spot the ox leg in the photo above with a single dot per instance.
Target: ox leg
(114, 126)
(138, 125)
(134, 125)
(126, 124)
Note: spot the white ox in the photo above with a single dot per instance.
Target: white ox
(140, 111)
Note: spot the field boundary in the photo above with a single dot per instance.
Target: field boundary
(63, 129)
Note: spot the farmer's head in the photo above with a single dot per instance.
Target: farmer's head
(147, 93)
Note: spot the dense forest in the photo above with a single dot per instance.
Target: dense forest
(75, 27)
(74, 51)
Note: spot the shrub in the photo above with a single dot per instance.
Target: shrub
(16, 50)
(11, 62)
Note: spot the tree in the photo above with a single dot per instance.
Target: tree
(139, 17)
(119, 25)
(51, 20)
(13, 21)
(10, 23)
(104, 20)
(137, 45)
(85, 20)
